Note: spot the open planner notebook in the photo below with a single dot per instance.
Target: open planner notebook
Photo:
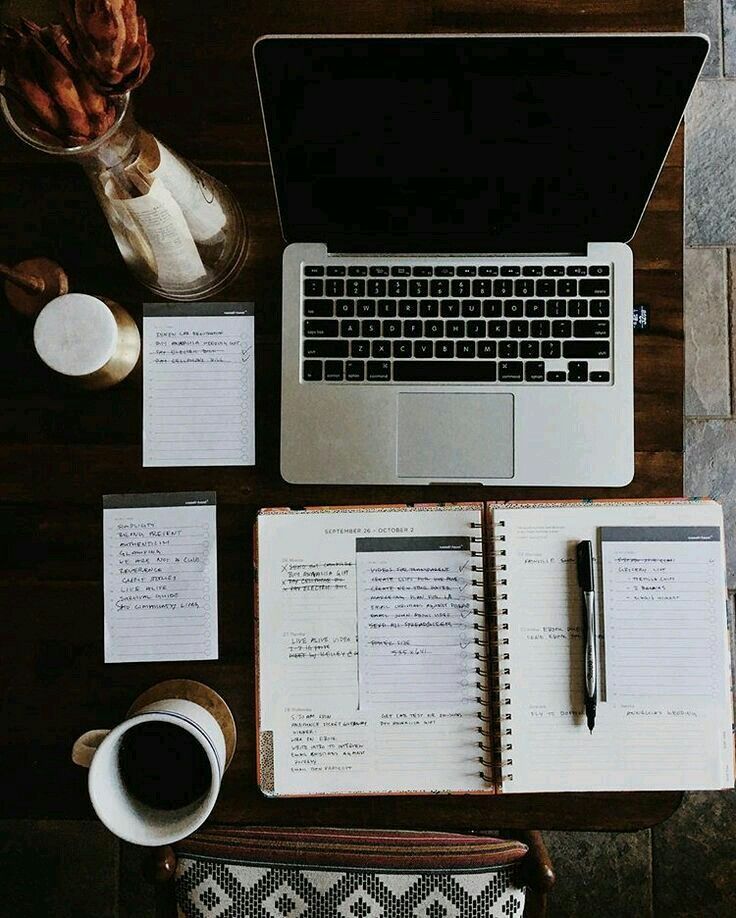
(439, 649)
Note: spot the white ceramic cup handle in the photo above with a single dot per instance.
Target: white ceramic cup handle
(83, 750)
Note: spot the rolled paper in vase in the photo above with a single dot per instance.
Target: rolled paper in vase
(89, 340)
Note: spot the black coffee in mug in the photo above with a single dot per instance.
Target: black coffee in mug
(164, 766)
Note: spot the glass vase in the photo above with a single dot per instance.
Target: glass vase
(180, 231)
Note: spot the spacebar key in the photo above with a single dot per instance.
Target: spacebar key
(444, 371)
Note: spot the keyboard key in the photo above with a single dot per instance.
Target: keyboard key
(429, 309)
(534, 309)
(534, 371)
(513, 309)
(600, 309)
(386, 309)
(313, 287)
(492, 309)
(402, 349)
(561, 328)
(465, 350)
(597, 287)
(455, 329)
(600, 376)
(577, 309)
(320, 328)
(519, 328)
(510, 371)
(345, 309)
(378, 270)
(510, 270)
(376, 288)
(450, 309)
(554, 270)
(370, 328)
(466, 271)
(586, 349)
(314, 270)
(482, 287)
(486, 349)
(502, 287)
(556, 309)
(381, 349)
(524, 287)
(335, 288)
(544, 287)
(592, 328)
(567, 288)
(488, 271)
(357, 270)
(391, 328)
(577, 371)
(320, 309)
(400, 270)
(355, 287)
(556, 376)
(379, 370)
(475, 328)
(471, 309)
(598, 271)
(365, 309)
(422, 270)
(444, 271)
(413, 328)
(333, 370)
(531, 270)
(423, 349)
(577, 270)
(508, 349)
(444, 349)
(497, 329)
(312, 370)
(445, 371)
(350, 328)
(336, 270)
(397, 288)
(439, 287)
(418, 287)
(551, 350)
(434, 329)
(539, 328)
(529, 349)
(460, 287)
(355, 371)
(360, 348)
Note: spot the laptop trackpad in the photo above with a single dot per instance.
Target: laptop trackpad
(455, 435)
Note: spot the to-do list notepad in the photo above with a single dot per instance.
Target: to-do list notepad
(198, 384)
(160, 556)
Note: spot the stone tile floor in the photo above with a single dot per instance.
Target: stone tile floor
(681, 869)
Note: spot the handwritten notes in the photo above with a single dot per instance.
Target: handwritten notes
(198, 384)
(160, 555)
(663, 596)
(415, 621)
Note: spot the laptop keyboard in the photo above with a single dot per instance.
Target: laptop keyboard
(503, 323)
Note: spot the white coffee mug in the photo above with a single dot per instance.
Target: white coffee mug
(123, 814)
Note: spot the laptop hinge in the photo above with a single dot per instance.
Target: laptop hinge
(447, 248)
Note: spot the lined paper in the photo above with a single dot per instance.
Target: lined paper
(160, 558)
(198, 384)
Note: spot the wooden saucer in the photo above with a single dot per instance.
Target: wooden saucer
(200, 694)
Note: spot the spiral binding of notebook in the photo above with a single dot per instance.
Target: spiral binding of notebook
(493, 666)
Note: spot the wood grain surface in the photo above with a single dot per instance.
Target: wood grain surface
(61, 450)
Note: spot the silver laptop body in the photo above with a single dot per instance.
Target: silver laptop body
(493, 366)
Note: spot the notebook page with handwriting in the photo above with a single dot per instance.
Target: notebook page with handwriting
(367, 651)
(658, 726)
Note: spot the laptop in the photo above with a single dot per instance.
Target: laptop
(457, 284)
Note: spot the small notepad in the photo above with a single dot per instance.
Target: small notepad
(198, 384)
(160, 556)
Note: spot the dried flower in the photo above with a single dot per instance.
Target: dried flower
(111, 40)
(41, 76)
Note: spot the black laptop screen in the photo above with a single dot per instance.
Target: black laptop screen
(470, 144)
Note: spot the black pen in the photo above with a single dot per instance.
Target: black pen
(586, 581)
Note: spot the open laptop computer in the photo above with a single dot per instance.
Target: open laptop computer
(457, 288)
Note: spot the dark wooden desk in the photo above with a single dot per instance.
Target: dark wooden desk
(60, 451)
